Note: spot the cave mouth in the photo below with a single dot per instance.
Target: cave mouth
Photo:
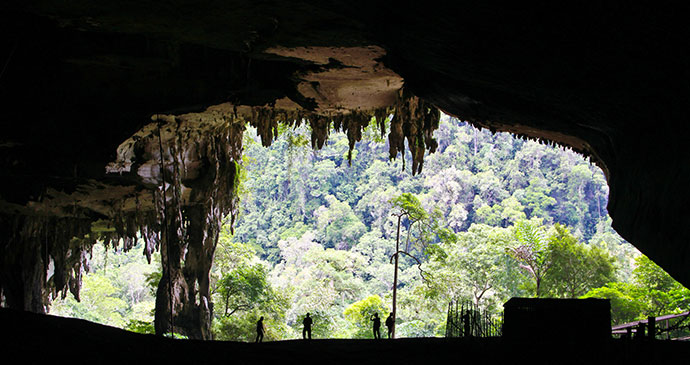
(295, 160)
(575, 75)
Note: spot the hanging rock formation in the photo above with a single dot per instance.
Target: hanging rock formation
(171, 185)
(125, 121)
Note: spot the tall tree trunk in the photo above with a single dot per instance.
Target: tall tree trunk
(395, 276)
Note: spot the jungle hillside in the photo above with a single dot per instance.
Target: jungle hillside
(490, 217)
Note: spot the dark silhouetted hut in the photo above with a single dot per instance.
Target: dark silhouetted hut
(557, 319)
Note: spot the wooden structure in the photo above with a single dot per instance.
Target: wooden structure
(662, 327)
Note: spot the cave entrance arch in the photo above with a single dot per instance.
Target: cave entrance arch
(579, 76)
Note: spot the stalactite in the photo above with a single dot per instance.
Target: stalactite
(32, 243)
(177, 208)
(381, 115)
(320, 127)
(414, 121)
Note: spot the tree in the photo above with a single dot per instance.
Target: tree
(114, 291)
(242, 293)
(481, 261)
(99, 302)
(575, 268)
(319, 281)
(650, 275)
(359, 313)
(338, 225)
(536, 198)
(626, 305)
(531, 252)
(652, 293)
(241, 326)
(243, 288)
(503, 215)
(407, 205)
(623, 252)
(662, 294)
(473, 267)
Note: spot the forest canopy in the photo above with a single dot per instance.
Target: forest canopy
(493, 217)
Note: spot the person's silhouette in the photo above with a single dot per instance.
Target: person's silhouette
(307, 327)
(389, 323)
(377, 325)
(260, 330)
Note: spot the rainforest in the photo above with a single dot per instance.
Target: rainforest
(490, 216)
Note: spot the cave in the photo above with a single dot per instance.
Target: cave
(124, 120)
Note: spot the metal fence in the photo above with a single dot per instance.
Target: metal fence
(465, 319)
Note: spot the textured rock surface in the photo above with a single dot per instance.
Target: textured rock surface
(85, 87)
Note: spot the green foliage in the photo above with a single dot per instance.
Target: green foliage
(241, 326)
(152, 280)
(486, 217)
(242, 293)
(651, 293)
(536, 198)
(474, 267)
(625, 301)
(359, 315)
(575, 268)
(424, 228)
(138, 326)
(295, 231)
(115, 292)
(411, 206)
(243, 287)
(338, 225)
(531, 251)
(661, 293)
(650, 275)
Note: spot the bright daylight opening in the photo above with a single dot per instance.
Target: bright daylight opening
(490, 217)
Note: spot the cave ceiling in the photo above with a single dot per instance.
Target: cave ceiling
(95, 94)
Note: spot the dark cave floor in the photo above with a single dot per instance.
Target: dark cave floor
(33, 338)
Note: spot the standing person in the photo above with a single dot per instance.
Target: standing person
(307, 327)
(377, 325)
(260, 330)
(389, 323)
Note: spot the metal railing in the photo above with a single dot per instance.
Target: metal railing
(465, 319)
(668, 327)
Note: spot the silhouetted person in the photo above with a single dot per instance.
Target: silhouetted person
(260, 330)
(307, 327)
(389, 323)
(377, 325)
